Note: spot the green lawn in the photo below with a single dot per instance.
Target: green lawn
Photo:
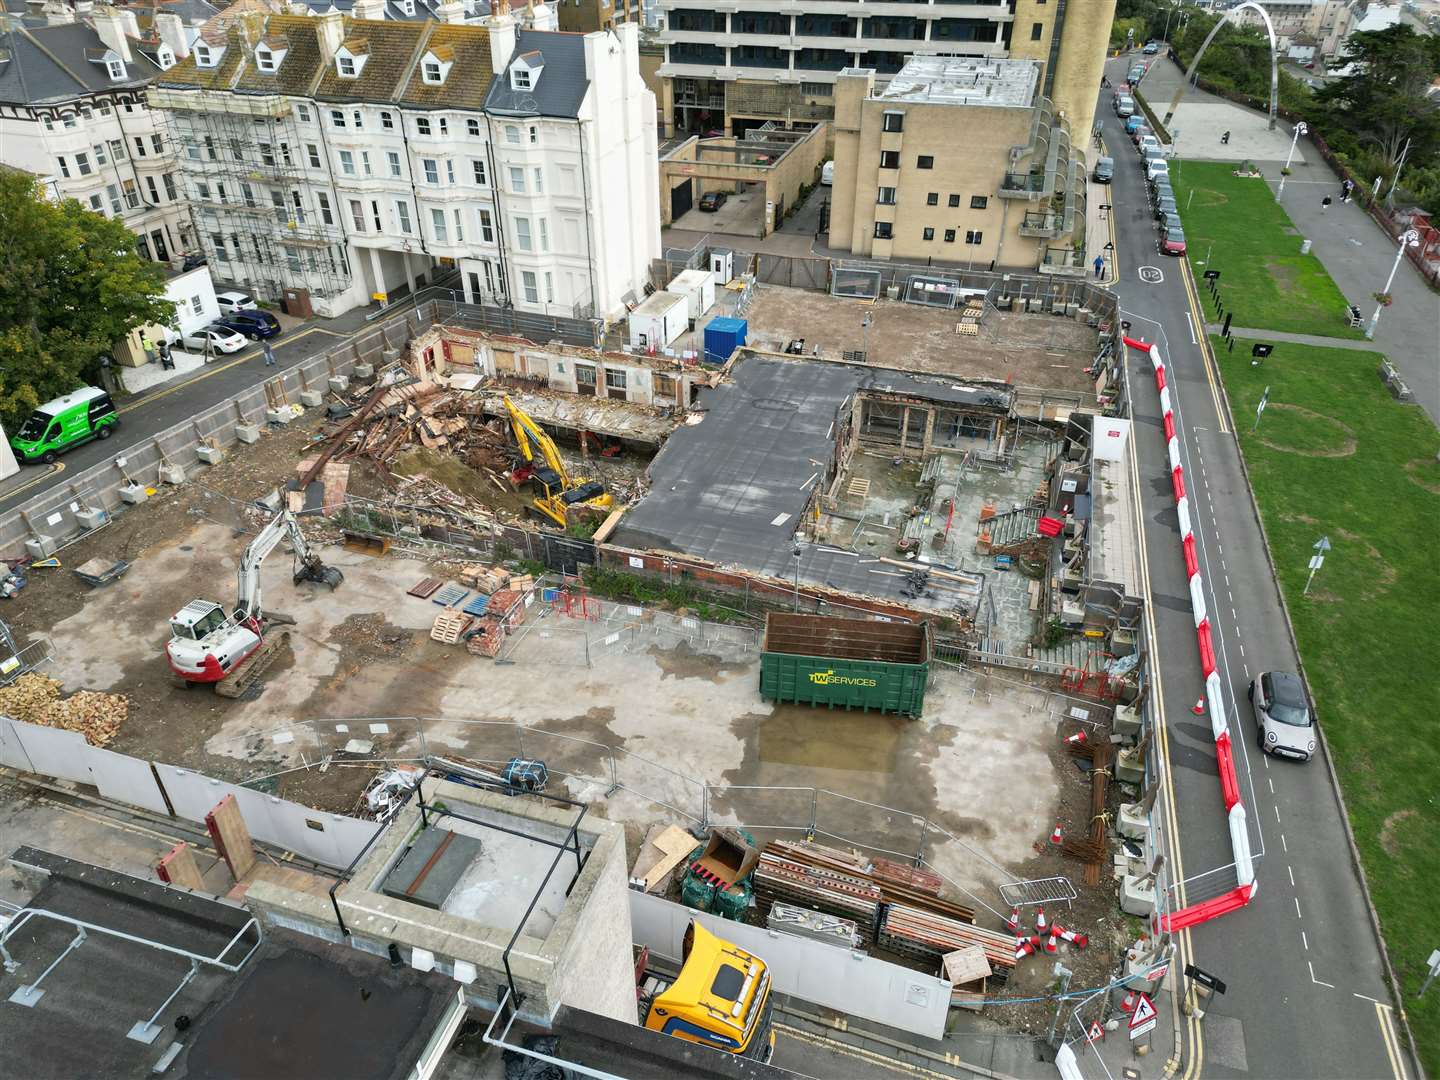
(1335, 455)
(1264, 280)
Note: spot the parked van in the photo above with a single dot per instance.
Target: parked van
(65, 422)
(827, 173)
(1104, 170)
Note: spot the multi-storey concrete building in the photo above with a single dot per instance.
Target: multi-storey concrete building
(733, 65)
(73, 112)
(336, 160)
(957, 160)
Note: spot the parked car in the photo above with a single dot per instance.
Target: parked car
(1172, 241)
(1124, 107)
(1283, 724)
(235, 301)
(1157, 167)
(1162, 189)
(220, 338)
(253, 324)
(1151, 48)
(1140, 133)
(1168, 220)
(712, 201)
(1165, 204)
(827, 173)
(1104, 170)
(1133, 122)
(56, 426)
(194, 259)
(1148, 143)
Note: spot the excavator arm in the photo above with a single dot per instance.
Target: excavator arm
(530, 436)
(308, 566)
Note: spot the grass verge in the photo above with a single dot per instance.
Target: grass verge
(1335, 455)
(1264, 280)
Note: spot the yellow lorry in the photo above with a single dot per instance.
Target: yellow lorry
(721, 998)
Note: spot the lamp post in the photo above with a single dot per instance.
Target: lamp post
(1410, 238)
(796, 555)
(864, 355)
(1300, 129)
(1174, 7)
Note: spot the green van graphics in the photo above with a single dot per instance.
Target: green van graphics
(67, 421)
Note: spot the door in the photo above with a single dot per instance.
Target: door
(162, 252)
(682, 198)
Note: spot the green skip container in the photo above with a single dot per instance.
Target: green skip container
(845, 663)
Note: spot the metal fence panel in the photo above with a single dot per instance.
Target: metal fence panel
(855, 283)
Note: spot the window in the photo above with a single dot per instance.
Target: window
(277, 202)
(325, 213)
(113, 192)
(117, 149)
(889, 159)
(449, 170)
(155, 191)
(1036, 30)
(882, 230)
(949, 236)
(375, 216)
(267, 154)
(116, 68)
(105, 109)
(520, 78)
(928, 233)
(422, 125)
(527, 281)
(924, 161)
(459, 227)
(264, 60)
(357, 215)
(347, 163)
(97, 204)
(487, 227)
(437, 226)
(337, 118)
(394, 159)
(197, 305)
(358, 118)
(170, 192)
(219, 243)
(365, 163)
(442, 124)
(522, 234)
(534, 134)
(615, 379)
(346, 67)
(544, 233)
(140, 149)
(313, 153)
(432, 72)
(64, 168)
(954, 201)
(432, 170)
(974, 236)
(203, 56)
(517, 179)
(82, 164)
(479, 167)
(512, 134)
(979, 202)
(292, 259)
(933, 199)
(302, 112)
(247, 193)
(402, 214)
(539, 180)
(817, 89)
(297, 207)
(285, 153)
(886, 196)
(68, 123)
(202, 190)
(893, 121)
(100, 158)
(472, 126)
(387, 121)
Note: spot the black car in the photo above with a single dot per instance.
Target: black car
(194, 259)
(253, 324)
(712, 201)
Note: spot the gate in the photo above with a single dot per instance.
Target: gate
(682, 198)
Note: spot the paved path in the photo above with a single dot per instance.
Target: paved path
(1299, 339)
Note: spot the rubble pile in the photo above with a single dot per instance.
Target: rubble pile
(36, 700)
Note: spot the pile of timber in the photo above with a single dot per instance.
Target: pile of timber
(926, 936)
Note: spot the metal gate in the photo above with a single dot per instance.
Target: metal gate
(682, 198)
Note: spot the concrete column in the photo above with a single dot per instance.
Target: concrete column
(905, 429)
(409, 274)
(375, 269)
(929, 430)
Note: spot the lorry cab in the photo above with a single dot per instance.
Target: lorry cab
(67, 421)
(721, 998)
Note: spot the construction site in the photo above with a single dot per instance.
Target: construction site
(841, 647)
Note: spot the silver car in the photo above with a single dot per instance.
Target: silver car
(1283, 724)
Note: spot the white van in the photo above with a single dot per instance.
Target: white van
(827, 173)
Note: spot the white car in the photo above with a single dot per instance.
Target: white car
(221, 339)
(235, 301)
(1158, 167)
(1148, 143)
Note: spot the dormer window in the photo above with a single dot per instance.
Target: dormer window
(165, 58)
(347, 67)
(407, 7)
(350, 59)
(433, 73)
(525, 72)
(116, 68)
(269, 57)
(435, 65)
(520, 78)
(208, 56)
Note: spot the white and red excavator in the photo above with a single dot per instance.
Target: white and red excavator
(231, 650)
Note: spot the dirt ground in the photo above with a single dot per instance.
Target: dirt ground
(1046, 351)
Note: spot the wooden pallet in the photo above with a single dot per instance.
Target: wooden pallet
(425, 588)
(449, 625)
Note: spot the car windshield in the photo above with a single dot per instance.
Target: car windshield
(34, 425)
(1294, 715)
(1175, 235)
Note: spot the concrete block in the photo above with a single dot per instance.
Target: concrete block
(363, 371)
(209, 455)
(1137, 897)
(42, 547)
(92, 519)
(278, 416)
(311, 398)
(340, 383)
(1127, 721)
(1129, 768)
(134, 494)
(1133, 822)
(172, 474)
(247, 433)
(272, 501)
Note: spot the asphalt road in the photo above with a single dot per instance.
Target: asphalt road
(1306, 994)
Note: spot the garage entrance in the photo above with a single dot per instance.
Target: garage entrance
(682, 197)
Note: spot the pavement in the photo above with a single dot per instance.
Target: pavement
(1307, 993)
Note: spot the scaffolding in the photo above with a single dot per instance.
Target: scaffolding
(258, 213)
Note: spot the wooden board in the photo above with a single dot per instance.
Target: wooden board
(662, 853)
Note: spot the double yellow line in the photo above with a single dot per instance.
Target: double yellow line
(1385, 1016)
(1207, 357)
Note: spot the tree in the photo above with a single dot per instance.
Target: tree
(71, 285)
(1382, 102)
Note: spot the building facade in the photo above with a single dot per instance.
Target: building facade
(342, 161)
(73, 112)
(907, 185)
(733, 65)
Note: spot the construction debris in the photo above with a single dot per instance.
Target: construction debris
(812, 924)
(36, 699)
(664, 849)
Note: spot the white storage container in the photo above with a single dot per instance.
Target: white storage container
(657, 322)
(698, 288)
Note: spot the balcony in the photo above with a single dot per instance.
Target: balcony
(1041, 223)
(1029, 186)
(1065, 262)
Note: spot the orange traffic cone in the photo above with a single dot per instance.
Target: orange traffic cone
(1128, 1005)
(1040, 921)
(1078, 940)
(1024, 947)
(1199, 707)
(1013, 923)
(1078, 738)
(1057, 835)
(1050, 946)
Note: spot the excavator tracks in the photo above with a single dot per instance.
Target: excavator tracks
(253, 666)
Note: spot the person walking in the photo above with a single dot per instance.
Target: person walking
(1347, 186)
(1225, 139)
(1099, 265)
(167, 363)
(147, 342)
(269, 354)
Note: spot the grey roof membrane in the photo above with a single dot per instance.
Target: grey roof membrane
(49, 63)
(561, 88)
(730, 489)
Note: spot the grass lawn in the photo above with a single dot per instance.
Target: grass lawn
(1335, 455)
(1264, 279)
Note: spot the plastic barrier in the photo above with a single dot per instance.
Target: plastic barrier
(1197, 599)
(1177, 481)
(1207, 654)
(1192, 565)
(1240, 843)
(1195, 914)
(1225, 760)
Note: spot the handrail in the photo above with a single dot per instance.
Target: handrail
(25, 914)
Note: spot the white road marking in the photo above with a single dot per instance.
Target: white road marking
(1318, 982)
(1283, 844)
(1247, 666)
(1191, 324)
(1297, 907)
(1304, 940)
(1277, 813)
(1272, 792)
(1290, 870)
(1367, 997)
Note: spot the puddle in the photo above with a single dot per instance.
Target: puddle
(797, 735)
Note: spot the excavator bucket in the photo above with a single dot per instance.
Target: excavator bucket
(312, 569)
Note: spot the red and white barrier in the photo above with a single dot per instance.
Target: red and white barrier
(1224, 756)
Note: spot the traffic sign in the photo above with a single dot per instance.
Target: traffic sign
(1323, 544)
(1204, 978)
(1096, 1032)
(1144, 1018)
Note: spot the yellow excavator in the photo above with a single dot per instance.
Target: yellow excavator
(555, 490)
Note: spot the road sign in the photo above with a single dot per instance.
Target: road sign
(1317, 561)
(1323, 545)
(1212, 275)
(1095, 1033)
(1151, 275)
(1204, 978)
(1144, 1018)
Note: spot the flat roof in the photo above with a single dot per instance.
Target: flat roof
(964, 80)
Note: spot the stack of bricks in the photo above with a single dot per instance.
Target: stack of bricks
(507, 605)
(488, 639)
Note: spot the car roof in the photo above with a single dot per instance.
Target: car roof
(1287, 688)
(1175, 233)
(1104, 161)
(70, 400)
(233, 294)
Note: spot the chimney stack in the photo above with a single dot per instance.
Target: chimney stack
(371, 10)
(331, 35)
(109, 23)
(451, 11)
(171, 29)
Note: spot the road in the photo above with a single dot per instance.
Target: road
(1306, 991)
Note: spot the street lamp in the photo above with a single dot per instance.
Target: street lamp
(796, 555)
(1410, 238)
(864, 356)
(1175, 7)
(1300, 129)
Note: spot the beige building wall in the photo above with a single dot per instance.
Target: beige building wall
(1084, 41)
(782, 181)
